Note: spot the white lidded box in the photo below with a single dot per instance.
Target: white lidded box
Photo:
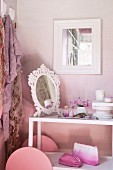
(103, 109)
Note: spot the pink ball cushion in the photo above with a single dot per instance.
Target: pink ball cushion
(48, 145)
(28, 158)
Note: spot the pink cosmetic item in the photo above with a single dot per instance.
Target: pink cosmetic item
(70, 160)
(87, 154)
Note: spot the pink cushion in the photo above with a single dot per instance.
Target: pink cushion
(48, 145)
(28, 158)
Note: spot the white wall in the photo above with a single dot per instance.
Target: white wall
(12, 4)
(35, 32)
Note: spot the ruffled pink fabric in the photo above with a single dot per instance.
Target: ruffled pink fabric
(2, 64)
(12, 54)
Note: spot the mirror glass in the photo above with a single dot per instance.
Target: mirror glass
(45, 91)
(77, 47)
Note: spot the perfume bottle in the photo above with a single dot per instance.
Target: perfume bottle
(65, 111)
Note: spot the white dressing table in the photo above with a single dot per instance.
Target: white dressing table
(106, 163)
(51, 84)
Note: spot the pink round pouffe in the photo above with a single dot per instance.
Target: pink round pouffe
(48, 145)
(28, 158)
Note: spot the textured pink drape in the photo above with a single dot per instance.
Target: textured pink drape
(12, 100)
(2, 64)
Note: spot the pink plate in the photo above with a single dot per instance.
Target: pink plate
(48, 145)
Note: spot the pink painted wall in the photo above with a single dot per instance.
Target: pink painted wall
(35, 32)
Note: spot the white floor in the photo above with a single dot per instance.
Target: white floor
(105, 163)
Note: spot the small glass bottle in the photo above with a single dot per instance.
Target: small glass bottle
(65, 111)
(71, 112)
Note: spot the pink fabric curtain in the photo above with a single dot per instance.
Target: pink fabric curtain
(13, 55)
(15, 115)
(10, 84)
(2, 64)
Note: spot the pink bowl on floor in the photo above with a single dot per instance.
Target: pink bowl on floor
(48, 145)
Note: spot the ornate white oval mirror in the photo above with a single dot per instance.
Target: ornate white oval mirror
(44, 90)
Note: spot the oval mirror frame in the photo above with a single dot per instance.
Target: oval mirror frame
(32, 82)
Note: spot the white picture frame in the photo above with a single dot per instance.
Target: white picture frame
(59, 26)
